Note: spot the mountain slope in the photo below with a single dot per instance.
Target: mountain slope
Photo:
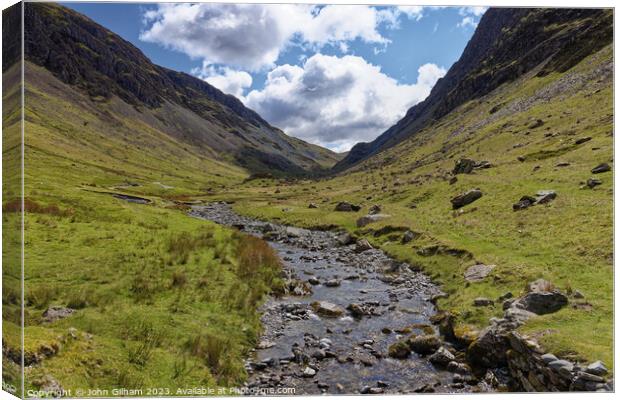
(508, 43)
(83, 54)
(542, 131)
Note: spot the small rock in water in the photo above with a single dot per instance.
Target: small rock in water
(424, 344)
(442, 357)
(356, 310)
(332, 283)
(327, 309)
(308, 372)
(319, 354)
(313, 281)
(399, 350)
(265, 344)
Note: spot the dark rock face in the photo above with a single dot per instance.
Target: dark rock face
(513, 41)
(466, 198)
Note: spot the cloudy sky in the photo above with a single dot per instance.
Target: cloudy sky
(332, 75)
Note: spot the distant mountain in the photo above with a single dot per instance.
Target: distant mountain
(85, 55)
(508, 42)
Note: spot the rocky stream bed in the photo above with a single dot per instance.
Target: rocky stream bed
(347, 304)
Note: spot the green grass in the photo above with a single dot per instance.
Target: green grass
(161, 299)
(568, 241)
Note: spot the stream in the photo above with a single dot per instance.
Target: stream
(366, 302)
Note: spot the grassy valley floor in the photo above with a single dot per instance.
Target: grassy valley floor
(159, 299)
(530, 132)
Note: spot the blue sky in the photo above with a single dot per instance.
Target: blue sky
(331, 75)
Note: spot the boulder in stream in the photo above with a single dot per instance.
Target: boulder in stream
(327, 309)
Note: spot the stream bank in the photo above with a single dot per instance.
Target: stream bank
(347, 304)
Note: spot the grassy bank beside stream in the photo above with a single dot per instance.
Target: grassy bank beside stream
(568, 241)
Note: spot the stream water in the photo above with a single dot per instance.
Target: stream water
(312, 352)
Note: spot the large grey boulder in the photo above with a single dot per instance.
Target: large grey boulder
(464, 166)
(56, 312)
(523, 203)
(542, 298)
(545, 196)
(466, 198)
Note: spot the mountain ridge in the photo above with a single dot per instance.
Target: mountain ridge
(81, 53)
(507, 43)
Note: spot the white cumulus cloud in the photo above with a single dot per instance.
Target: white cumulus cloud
(338, 101)
(252, 36)
(224, 78)
(471, 16)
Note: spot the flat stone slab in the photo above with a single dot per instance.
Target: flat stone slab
(478, 272)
